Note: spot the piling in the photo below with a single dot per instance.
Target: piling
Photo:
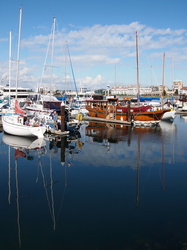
(62, 113)
(128, 111)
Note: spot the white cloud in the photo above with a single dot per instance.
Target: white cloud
(95, 49)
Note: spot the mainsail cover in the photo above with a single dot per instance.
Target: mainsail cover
(18, 109)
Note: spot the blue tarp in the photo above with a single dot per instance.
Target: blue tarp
(143, 99)
(62, 98)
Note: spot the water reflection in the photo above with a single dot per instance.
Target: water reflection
(105, 187)
(25, 148)
(21, 149)
(135, 154)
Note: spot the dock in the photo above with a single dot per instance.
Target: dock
(180, 112)
(96, 119)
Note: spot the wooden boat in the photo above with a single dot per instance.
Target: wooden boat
(112, 109)
(137, 114)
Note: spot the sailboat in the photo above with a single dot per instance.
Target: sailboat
(171, 114)
(14, 123)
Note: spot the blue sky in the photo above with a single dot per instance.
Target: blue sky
(101, 41)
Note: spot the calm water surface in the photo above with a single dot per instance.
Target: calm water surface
(105, 188)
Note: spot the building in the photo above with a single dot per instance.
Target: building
(177, 86)
(183, 91)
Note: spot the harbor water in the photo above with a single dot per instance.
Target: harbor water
(104, 187)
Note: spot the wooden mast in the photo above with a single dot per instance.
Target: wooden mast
(137, 69)
(163, 69)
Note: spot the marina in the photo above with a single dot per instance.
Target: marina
(93, 140)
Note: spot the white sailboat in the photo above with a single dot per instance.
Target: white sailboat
(171, 114)
(14, 124)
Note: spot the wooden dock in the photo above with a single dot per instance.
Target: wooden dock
(96, 119)
(180, 112)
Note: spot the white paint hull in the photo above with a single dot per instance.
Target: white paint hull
(170, 115)
(13, 127)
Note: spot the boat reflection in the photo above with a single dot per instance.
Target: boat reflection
(184, 117)
(68, 146)
(24, 146)
(46, 166)
(137, 153)
(113, 133)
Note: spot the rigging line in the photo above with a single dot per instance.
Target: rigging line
(37, 176)
(142, 189)
(151, 69)
(63, 48)
(63, 195)
(44, 184)
(72, 70)
(46, 56)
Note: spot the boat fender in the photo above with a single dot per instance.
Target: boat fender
(79, 117)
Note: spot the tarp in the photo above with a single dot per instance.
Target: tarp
(144, 99)
(64, 98)
(18, 109)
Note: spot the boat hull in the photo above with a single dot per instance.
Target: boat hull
(155, 115)
(11, 125)
(170, 115)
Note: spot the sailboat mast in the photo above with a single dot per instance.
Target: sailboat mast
(52, 52)
(137, 68)
(10, 60)
(162, 95)
(18, 52)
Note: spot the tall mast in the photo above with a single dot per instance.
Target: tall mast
(18, 52)
(162, 94)
(137, 68)
(10, 60)
(52, 52)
